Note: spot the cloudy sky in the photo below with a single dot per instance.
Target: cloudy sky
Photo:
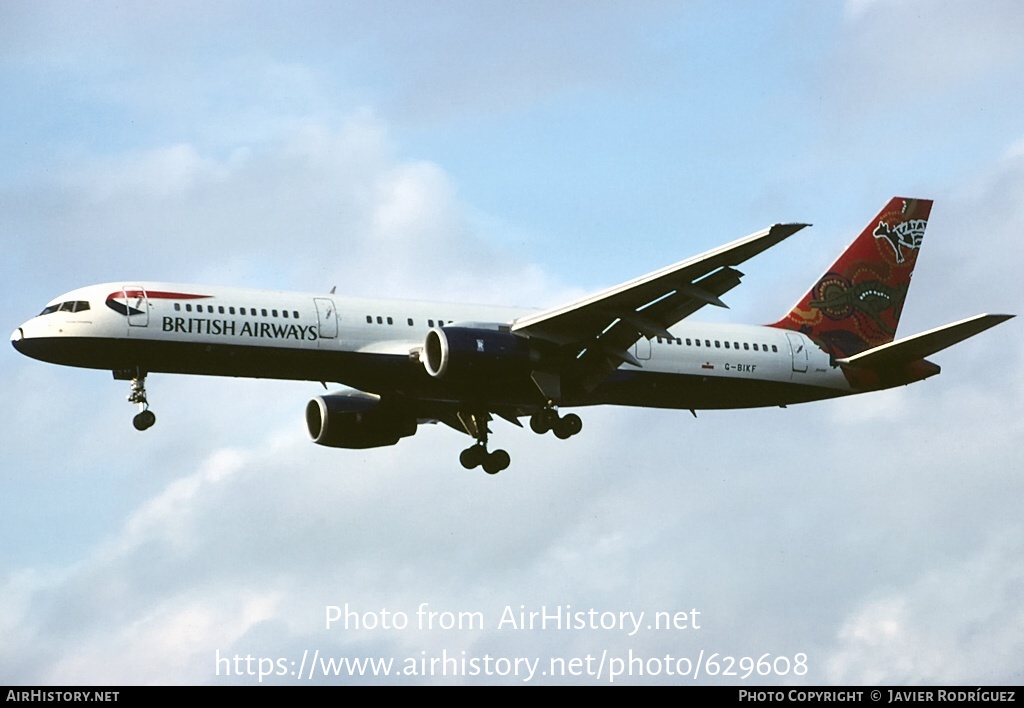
(519, 153)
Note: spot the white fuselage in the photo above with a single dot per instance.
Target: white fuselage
(374, 345)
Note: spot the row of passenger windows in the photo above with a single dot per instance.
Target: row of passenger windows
(370, 319)
(747, 346)
(251, 311)
(69, 306)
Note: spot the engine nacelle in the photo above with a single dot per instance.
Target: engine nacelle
(356, 420)
(468, 353)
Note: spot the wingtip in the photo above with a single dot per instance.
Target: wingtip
(788, 229)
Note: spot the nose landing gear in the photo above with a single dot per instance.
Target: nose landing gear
(145, 418)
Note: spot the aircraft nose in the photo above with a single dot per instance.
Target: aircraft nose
(17, 336)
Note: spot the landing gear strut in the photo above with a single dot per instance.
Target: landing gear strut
(145, 419)
(476, 455)
(547, 419)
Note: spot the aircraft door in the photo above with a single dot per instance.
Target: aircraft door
(798, 345)
(327, 317)
(642, 349)
(136, 305)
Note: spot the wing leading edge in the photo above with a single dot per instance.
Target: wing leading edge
(599, 330)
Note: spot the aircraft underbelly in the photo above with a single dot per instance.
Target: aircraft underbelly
(383, 373)
(704, 392)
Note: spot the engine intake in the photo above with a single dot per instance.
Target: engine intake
(466, 353)
(356, 420)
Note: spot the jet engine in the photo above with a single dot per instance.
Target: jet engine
(356, 420)
(470, 353)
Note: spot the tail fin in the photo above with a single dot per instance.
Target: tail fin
(857, 304)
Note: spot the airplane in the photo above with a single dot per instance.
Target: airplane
(406, 363)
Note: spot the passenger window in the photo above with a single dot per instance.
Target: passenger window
(264, 312)
(718, 345)
(177, 307)
(746, 347)
(775, 348)
(726, 345)
(273, 313)
(188, 308)
(380, 320)
(410, 322)
(231, 310)
(390, 321)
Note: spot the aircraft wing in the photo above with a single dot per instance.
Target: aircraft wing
(600, 329)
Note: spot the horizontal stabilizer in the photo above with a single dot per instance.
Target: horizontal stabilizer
(921, 345)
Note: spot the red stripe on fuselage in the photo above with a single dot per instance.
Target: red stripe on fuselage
(157, 295)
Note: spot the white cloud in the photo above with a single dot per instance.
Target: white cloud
(908, 46)
(321, 206)
(953, 624)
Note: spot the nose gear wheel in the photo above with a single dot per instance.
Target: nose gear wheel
(145, 418)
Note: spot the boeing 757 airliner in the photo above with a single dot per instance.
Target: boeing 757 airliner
(407, 363)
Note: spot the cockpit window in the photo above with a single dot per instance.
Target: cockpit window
(69, 306)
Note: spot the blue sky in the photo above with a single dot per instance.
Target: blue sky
(517, 153)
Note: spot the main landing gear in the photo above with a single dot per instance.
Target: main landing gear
(477, 455)
(145, 419)
(564, 427)
(544, 420)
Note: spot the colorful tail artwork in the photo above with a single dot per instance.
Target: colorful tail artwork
(856, 305)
